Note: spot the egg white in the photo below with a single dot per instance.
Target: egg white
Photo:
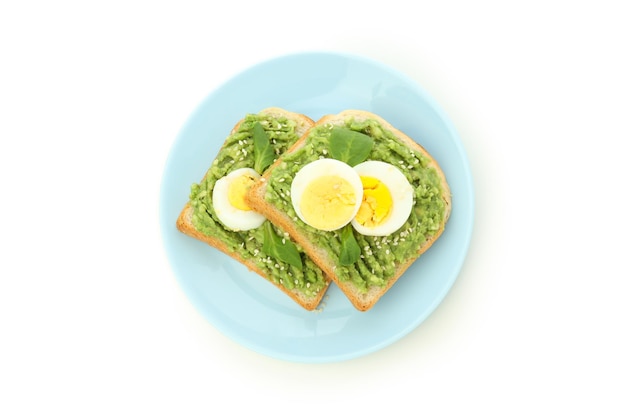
(231, 216)
(401, 196)
(320, 168)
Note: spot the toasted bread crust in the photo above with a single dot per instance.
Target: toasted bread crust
(361, 301)
(185, 225)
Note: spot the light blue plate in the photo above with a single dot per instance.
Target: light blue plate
(247, 308)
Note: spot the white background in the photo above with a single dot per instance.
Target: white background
(92, 96)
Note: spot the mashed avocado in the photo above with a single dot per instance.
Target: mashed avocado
(379, 255)
(237, 152)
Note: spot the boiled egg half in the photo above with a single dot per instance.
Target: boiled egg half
(326, 194)
(387, 199)
(229, 203)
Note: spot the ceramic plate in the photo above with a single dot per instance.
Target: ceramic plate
(250, 310)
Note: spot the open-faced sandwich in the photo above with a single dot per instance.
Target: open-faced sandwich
(360, 197)
(218, 214)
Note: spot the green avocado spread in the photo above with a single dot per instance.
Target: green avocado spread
(379, 255)
(237, 152)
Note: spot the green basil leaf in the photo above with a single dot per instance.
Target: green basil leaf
(281, 249)
(349, 146)
(263, 150)
(350, 249)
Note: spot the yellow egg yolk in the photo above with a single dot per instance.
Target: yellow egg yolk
(328, 202)
(377, 203)
(238, 189)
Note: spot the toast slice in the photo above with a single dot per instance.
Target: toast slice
(383, 259)
(198, 218)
